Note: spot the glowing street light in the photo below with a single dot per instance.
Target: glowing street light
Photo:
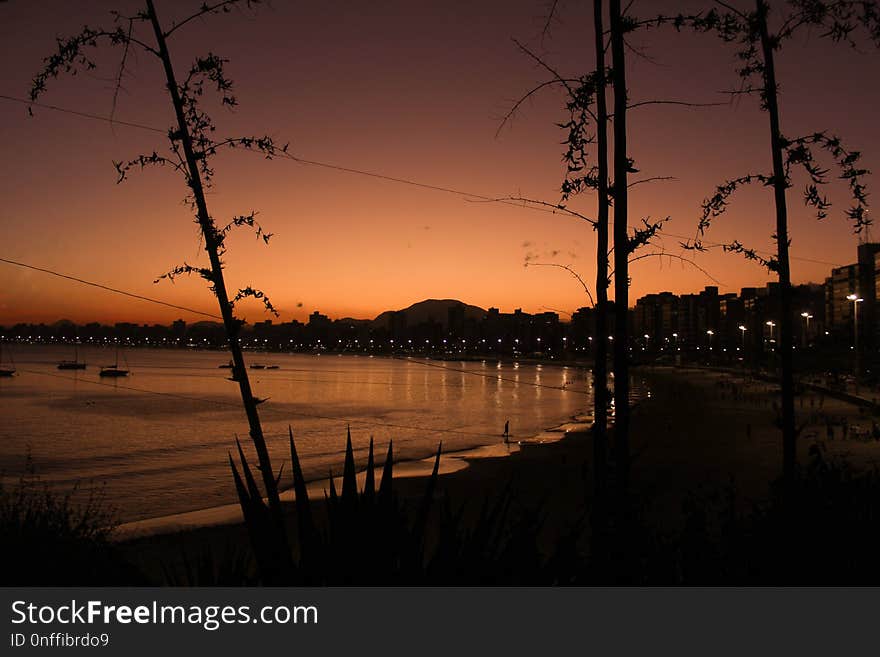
(807, 317)
(856, 300)
(743, 330)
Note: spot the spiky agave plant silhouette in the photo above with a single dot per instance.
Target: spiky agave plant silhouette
(369, 535)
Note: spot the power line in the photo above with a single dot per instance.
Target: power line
(107, 288)
(378, 176)
(663, 233)
(85, 115)
(289, 156)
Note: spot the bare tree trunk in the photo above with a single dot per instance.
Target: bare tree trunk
(621, 252)
(209, 232)
(789, 437)
(600, 349)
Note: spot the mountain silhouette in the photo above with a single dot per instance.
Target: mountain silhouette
(436, 310)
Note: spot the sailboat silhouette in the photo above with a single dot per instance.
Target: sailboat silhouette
(76, 363)
(113, 370)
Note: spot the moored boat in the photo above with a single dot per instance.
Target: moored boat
(75, 364)
(113, 371)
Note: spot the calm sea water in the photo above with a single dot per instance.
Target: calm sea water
(157, 440)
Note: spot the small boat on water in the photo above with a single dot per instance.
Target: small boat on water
(113, 371)
(75, 364)
(273, 367)
(5, 370)
(226, 366)
(258, 366)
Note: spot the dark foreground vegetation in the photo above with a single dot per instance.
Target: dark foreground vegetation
(49, 539)
(822, 528)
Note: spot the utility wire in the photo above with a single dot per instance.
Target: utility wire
(85, 115)
(289, 156)
(107, 288)
(372, 174)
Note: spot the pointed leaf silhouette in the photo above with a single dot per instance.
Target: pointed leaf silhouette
(253, 489)
(387, 476)
(349, 479)
(370, 480)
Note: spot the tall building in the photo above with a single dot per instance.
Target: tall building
(656, 315)
(867, 290)
(843, 282)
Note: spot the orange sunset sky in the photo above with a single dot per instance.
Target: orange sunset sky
(407, 89)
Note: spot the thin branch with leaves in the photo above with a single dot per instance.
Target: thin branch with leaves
(192, 146)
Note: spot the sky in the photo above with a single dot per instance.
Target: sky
(409, 90)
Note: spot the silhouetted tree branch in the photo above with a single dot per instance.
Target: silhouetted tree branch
(192, 145)
(674, 256)
(554, 207)
(567, 268)
(757, 46)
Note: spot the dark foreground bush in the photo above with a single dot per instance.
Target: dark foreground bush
(820, 528)
(48, 539)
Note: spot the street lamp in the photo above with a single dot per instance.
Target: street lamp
(743, 330)
(710, 333)
(807, 317)
(856, 300)
(772, 325)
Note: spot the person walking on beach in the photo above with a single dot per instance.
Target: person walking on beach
(507, 432)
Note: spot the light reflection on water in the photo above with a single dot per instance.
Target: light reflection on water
(165, 453)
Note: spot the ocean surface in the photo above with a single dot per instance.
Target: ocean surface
(156, 442)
